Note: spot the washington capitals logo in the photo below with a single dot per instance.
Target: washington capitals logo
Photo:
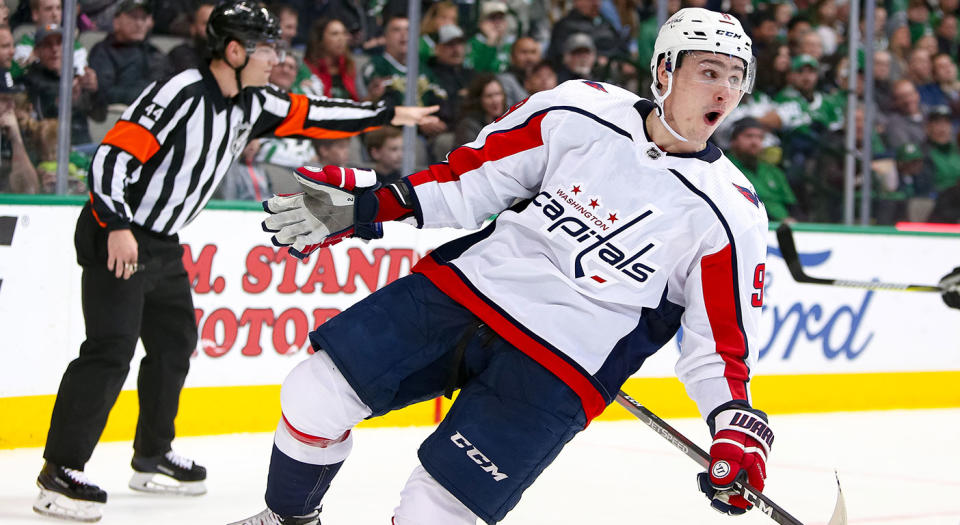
(751, 196)
(601, 245)
(595, 85)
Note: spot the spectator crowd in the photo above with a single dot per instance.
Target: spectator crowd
(478, 58)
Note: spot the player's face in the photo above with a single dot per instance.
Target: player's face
(706, 88)
(260, 64)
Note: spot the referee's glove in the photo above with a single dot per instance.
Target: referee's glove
(338, 203)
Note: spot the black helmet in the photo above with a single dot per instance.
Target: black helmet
(246, 21)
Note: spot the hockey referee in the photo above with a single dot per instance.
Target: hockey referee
(153, 173)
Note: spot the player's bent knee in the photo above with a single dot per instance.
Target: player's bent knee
(318, 410)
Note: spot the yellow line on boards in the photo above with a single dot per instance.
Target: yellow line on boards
(225, 410)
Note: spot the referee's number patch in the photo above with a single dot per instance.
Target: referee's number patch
(154, 111)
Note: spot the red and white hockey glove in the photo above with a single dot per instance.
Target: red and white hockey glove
(741, 444)
(338, 203)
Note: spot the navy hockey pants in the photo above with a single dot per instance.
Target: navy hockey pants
(398, 346)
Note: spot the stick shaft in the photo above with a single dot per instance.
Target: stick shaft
(694, 452)
(790, 256)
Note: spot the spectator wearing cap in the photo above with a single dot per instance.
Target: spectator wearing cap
(806, 115)
(769, 181)
(44, 13)
(916, 181)
(579, 58)
(192, 54)
(942, 149)
(125, 61)
(42, 81)
(447, 71)
(488, 51)
(906, 123)
(525, 53)
(585, 18)
(17, 174)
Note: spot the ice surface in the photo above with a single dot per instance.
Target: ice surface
(897, 467)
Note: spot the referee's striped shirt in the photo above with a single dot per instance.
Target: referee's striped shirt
(161, 162)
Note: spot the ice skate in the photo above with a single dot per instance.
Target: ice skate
(67, 493)
(269, 517)
(168, 474)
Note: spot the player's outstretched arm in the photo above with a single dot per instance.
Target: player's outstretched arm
(337, 203)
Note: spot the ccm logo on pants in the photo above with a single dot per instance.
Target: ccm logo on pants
(477, 457)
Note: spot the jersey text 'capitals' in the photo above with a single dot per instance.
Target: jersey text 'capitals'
(585, 229)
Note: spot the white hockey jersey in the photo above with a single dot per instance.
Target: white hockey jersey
(615, 246)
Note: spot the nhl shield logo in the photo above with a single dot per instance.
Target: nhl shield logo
(653, 153)
(240, 134)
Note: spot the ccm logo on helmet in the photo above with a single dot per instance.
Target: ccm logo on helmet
(478, 457)
(731, 34)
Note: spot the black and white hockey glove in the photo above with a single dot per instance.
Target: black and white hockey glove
(951, 285)
(338, 203)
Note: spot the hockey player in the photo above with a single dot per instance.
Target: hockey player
(631, 226)
(152, 175)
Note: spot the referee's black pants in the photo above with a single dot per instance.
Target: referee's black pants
(155, 306)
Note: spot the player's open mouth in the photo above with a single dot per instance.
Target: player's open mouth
(712, 117)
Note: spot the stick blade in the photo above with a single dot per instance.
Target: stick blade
(840, 509)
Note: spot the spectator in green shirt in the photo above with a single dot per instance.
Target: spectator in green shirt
(488, 51)
(942, 149)
(768, 181)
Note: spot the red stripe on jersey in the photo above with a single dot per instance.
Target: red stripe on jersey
(496, 146)
(451, 284)
(719, 297)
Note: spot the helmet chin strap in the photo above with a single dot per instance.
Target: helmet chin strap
(659, 100)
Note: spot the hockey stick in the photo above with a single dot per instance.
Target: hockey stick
(790, 256)
(754, 496)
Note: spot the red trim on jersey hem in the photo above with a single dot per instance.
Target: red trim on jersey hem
(720, 301)
(451, 284)
(311, 440)
(496, 146)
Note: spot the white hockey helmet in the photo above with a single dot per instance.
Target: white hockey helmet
(698, 29)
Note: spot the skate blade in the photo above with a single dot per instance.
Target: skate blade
(157, 483)
(57, 505)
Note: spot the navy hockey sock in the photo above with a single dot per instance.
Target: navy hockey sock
(295, 488)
